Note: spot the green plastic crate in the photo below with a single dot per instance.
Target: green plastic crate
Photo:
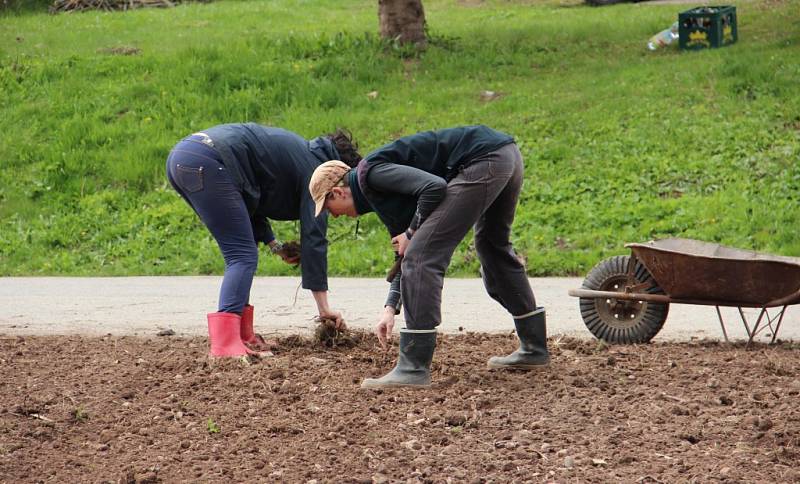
(707, 27)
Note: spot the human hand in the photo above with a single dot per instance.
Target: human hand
(399, 243)
(383, 330)
(288, 251)
(335, 317)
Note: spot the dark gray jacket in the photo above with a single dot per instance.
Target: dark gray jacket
(272, 168)
(404, 181)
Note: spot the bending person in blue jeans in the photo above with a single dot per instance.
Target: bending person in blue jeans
(429, 189)
(238, 176)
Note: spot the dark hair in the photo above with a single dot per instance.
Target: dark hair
(342, 139)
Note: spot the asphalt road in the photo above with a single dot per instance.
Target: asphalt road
(145, 305)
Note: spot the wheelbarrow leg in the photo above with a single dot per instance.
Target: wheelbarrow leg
(758, 322)
(777, 326)
(746, 326)
(722, 324)
(757, 328)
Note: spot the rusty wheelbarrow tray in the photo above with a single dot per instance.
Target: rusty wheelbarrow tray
(625, 299)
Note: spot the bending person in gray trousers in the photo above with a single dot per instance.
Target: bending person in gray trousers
(429, 189)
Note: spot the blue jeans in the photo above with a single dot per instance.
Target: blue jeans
(196, 172)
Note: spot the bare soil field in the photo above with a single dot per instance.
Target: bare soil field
(127, 409)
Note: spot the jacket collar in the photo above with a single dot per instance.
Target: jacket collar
(322, 148)
(360, 201)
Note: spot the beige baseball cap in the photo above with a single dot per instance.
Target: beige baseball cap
(324, 178)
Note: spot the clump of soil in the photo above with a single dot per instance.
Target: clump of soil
(291, 249)
(128, 409)
(329, 334)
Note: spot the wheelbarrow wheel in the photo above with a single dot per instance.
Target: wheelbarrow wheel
(620, 321)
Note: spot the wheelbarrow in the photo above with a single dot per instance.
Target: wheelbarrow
(625, 299)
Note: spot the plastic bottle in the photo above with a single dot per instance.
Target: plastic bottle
(663, 38)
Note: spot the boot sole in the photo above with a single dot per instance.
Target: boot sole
(244, 360)
(497, 366)
(393, 385)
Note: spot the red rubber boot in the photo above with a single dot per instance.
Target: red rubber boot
(224, 335)
(253, 341)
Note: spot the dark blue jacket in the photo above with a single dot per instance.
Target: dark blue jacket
(271, 168)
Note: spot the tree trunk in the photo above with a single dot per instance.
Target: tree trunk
(402, 21)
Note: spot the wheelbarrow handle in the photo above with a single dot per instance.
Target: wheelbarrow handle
(785, 301)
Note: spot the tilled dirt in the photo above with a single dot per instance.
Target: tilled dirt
(125, 409)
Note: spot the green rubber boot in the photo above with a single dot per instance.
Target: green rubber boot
(413, 368)
(532, 352)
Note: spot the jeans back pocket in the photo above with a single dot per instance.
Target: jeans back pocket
(190, 179)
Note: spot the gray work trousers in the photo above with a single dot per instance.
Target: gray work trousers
(483, 195)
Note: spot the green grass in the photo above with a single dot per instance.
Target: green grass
(620, 144)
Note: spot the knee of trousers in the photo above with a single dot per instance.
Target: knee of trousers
(244, 260)
(486, 245)
(423, 261)
(498, 258)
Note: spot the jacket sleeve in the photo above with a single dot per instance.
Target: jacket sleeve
(427, 188)
(394, 299)
(262, 230)
(313, 246)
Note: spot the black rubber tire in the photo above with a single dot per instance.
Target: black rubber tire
(642, 322)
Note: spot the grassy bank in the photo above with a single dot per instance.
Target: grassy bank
(620, 144)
